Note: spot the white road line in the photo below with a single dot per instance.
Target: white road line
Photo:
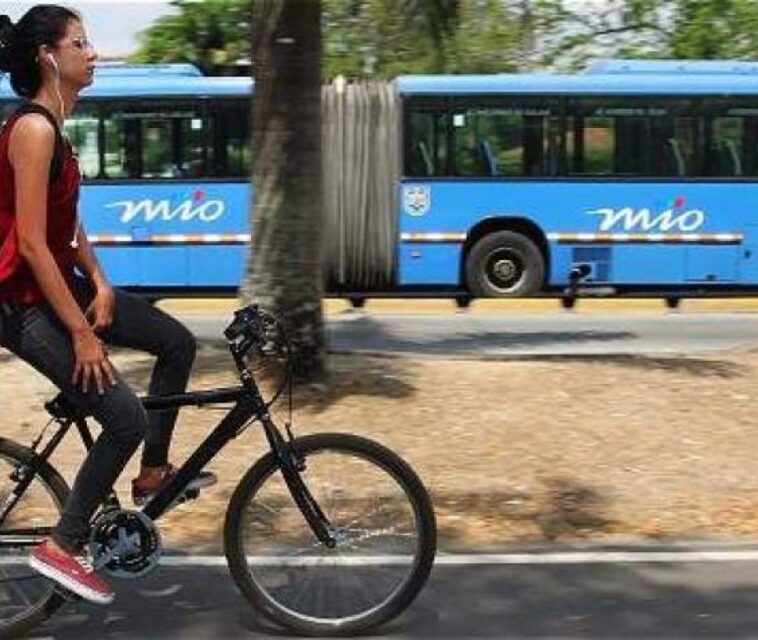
(568, 557)
(535, 558)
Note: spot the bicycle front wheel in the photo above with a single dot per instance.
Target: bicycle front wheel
(381, 517)
(26, 597)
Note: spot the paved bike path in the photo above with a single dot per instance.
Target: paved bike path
(669, 597)
(463, 335)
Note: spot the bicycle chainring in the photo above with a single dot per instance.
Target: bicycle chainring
(124, 543)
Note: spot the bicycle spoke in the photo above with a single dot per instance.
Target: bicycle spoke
(22, 590)
(372, 522)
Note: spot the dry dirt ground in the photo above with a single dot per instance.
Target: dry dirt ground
(512, 451)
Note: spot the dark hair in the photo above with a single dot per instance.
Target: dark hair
(42, 24)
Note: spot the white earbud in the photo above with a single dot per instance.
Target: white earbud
(53, 62)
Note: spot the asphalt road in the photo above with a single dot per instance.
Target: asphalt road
(668, 598)
(469, 335)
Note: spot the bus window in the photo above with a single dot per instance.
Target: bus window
(503, 140)
(750, 146)
(685, 147)
(120, 135)
(82, 129)
(731, 139)
(607, 138)
(230, 154)
(592, 145)
(154, 140)
(426, 143)
(723, 153)
(157, 156)
(613, 137)
(192, 139)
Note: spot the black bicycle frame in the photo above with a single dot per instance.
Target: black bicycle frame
(248, 405)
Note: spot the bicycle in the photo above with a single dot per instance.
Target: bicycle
(311, 521)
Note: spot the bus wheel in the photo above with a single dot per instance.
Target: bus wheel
(504, 264)
(672, 303)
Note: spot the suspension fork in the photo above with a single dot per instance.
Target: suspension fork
(291, 464)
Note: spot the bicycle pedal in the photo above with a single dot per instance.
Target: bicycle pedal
(190, 494)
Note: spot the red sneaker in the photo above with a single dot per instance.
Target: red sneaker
(72, 572)
(143, 492)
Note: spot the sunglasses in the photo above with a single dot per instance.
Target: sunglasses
(83, 44)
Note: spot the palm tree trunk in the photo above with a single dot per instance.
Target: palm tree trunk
(284, 270)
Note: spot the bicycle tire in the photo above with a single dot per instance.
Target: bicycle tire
(58, 489)
(383, 459)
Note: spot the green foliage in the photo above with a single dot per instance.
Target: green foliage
(713, 30)
(372, 39)
(694, 29)
(617, 28)
(210, 34)
(361, 38)
(384, 38)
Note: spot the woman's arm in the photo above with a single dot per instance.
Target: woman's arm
(100, 311)
(30, 152)
(87, 261)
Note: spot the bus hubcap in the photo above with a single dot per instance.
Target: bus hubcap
(505, 271)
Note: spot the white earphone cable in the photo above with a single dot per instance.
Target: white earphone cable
(74, 242)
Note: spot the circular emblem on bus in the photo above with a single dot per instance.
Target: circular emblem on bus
(417, 199)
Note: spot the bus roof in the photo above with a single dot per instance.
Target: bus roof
(154, 81)
(135, 70)
(701, 67)
(663, 84)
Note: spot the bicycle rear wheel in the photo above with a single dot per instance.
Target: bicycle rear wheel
(26, 598)
(382, 520)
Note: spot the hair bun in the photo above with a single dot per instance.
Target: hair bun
(7, 30)
(7, 33)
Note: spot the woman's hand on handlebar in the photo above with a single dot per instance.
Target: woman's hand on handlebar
(92, 362)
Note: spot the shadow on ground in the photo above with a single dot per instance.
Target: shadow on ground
(517, 601)
(349, 376)
(563, 508)
(693, 366)
(374, 335)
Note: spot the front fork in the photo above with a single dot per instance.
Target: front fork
(291, 463)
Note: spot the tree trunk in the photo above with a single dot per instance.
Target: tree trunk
(284, 269)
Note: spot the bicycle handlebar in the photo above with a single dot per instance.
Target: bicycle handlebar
(244, 324)
(257, 329)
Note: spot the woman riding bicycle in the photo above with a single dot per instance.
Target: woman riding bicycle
(57, 310)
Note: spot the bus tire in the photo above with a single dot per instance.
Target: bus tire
(504, 264)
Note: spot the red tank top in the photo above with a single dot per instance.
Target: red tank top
(17, 281)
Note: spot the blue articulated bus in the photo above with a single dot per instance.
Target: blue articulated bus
(640, 175)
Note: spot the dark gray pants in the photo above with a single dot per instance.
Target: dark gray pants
(36, 335)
